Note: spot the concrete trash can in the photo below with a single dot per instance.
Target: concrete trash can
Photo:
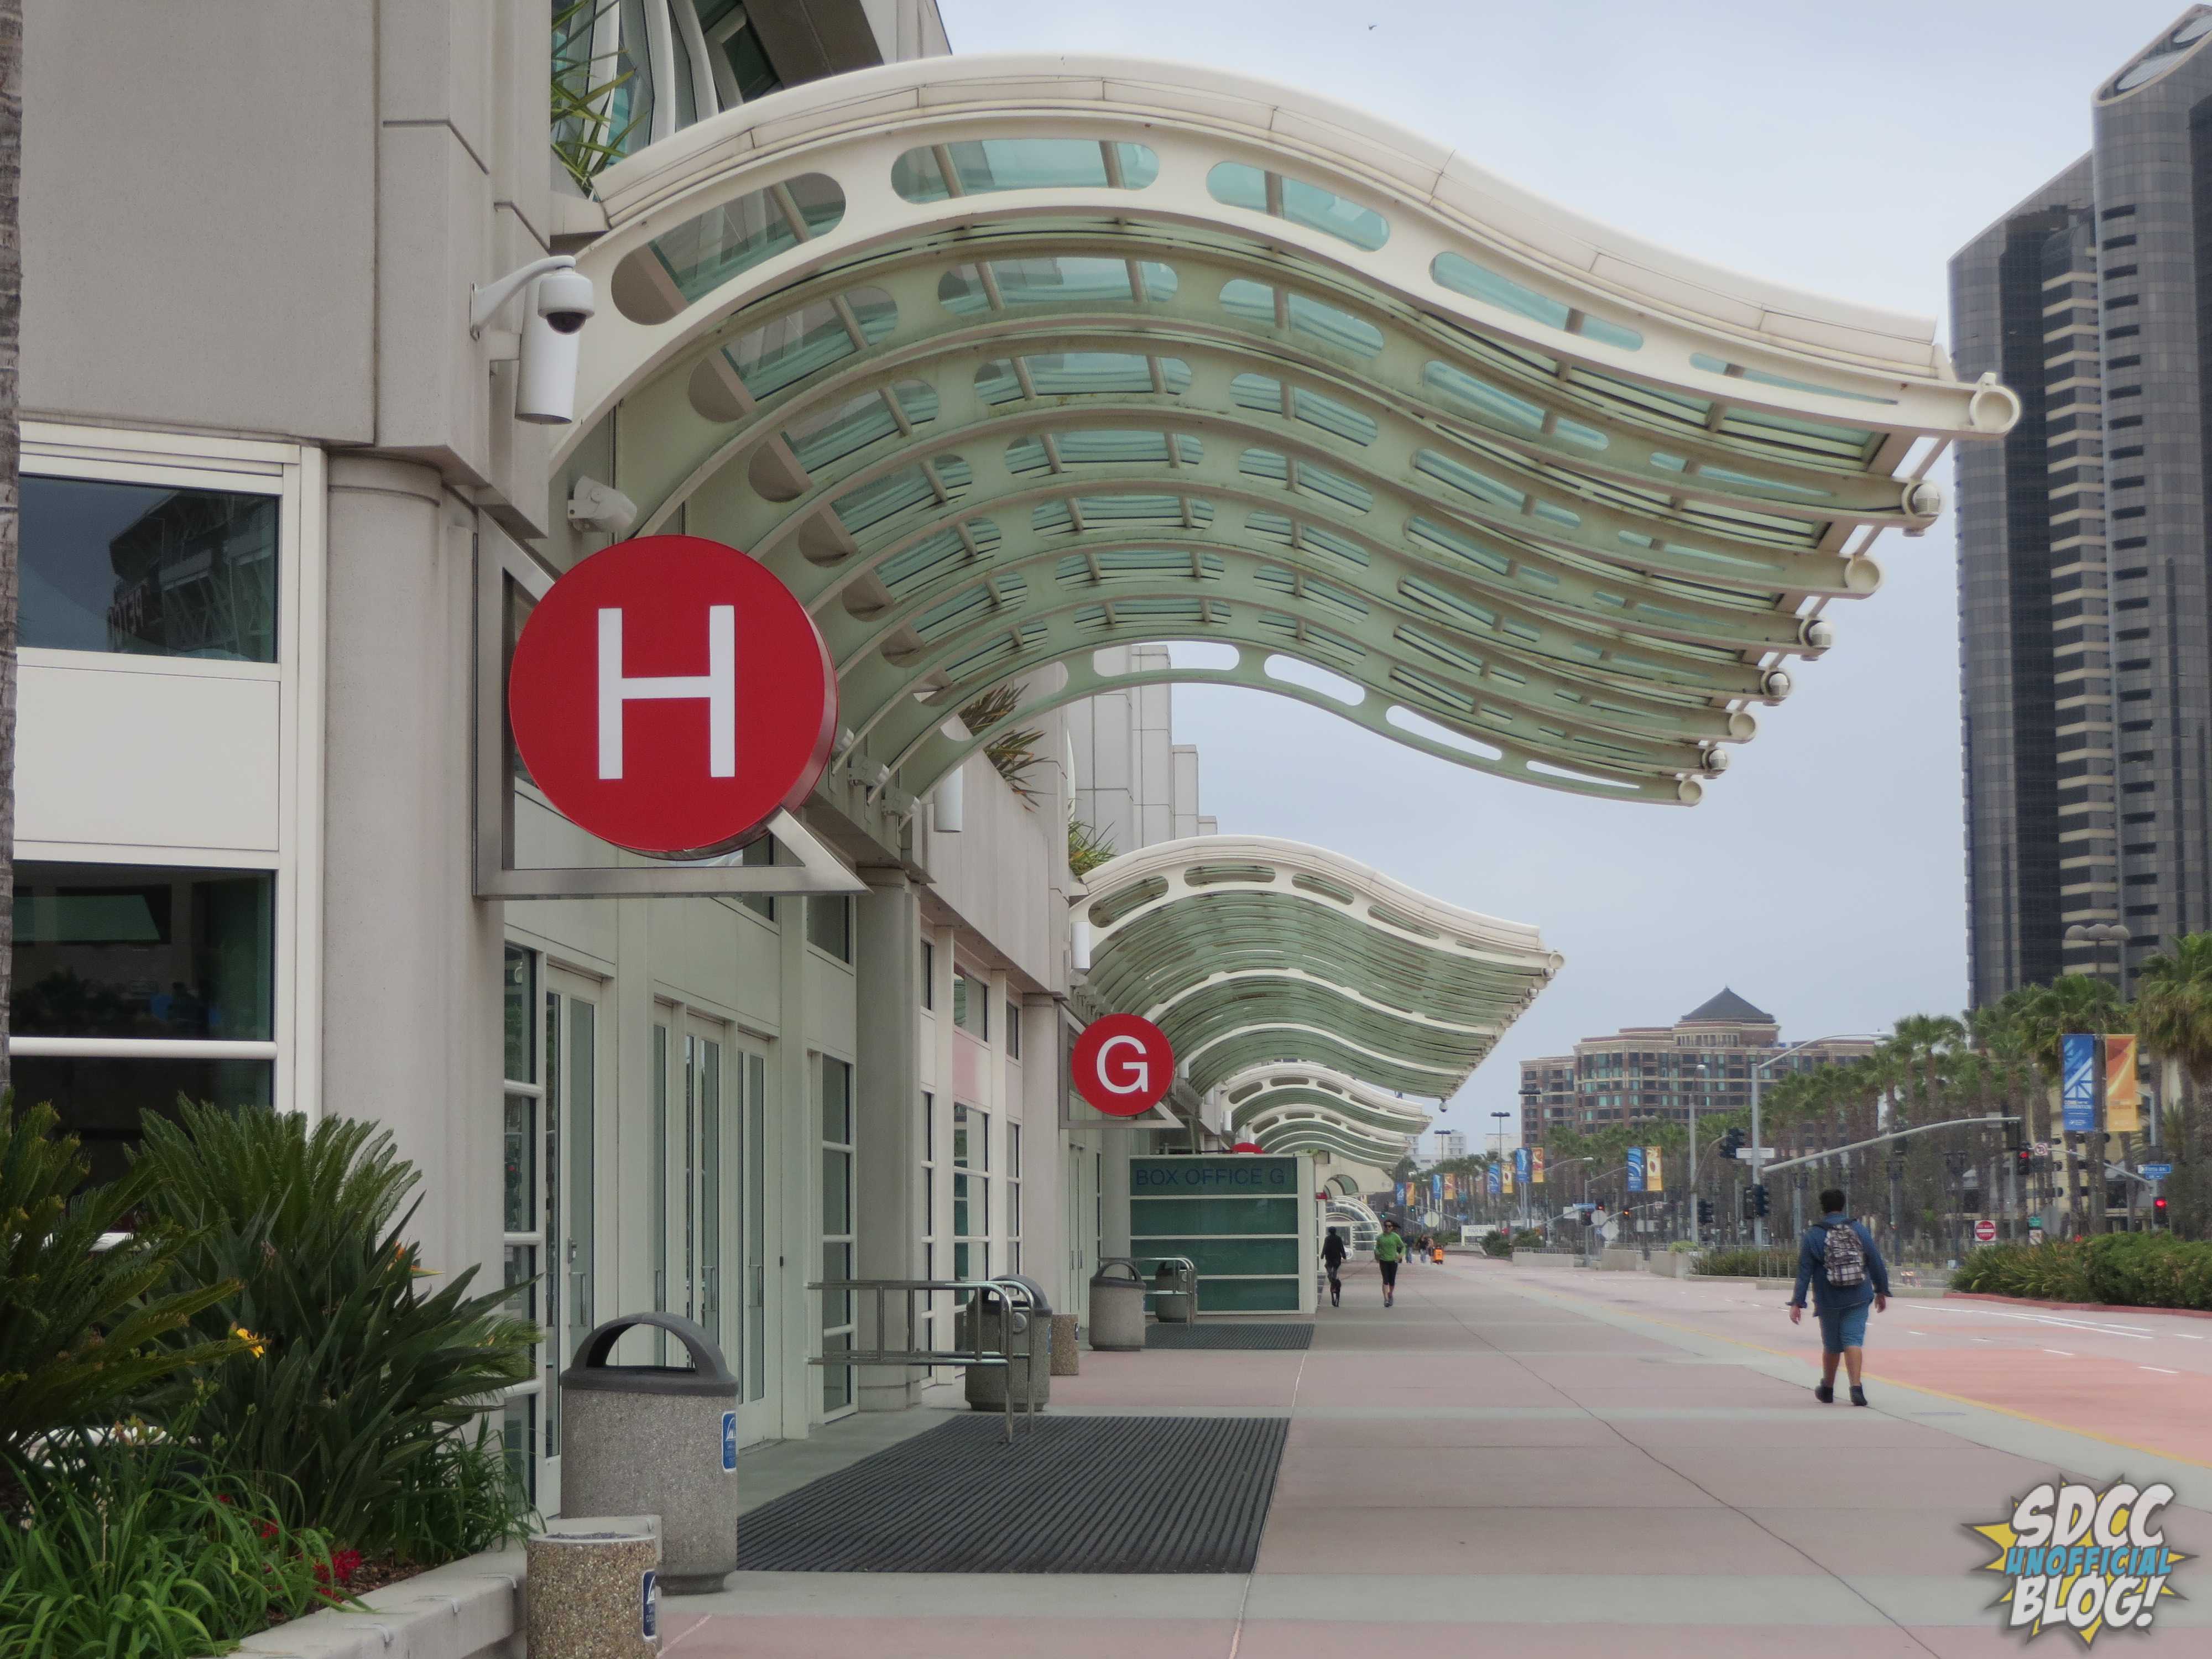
(594, 1590)
(1117, 1307)
(1029, 1376)
(1067, 1358)
(656, 1440)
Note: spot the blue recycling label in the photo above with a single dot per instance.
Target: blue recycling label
(648, 1604)
(729, 1442)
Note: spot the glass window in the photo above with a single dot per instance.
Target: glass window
(700, 255)
(757, 854)
(127, 951)
(1013, 1030)
(971, 1193)
(148, 570)
(928, 974)
(100, 1098)
(829, 925)
(971, 1003)
(520, 994)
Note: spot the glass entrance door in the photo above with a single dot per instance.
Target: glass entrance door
(758, 1357)
(714, 1223)
(575, 1077)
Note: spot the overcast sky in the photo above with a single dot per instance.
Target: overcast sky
(1848, 149)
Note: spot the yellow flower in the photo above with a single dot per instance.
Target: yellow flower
(254, 1344)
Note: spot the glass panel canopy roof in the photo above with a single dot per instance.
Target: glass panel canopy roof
(998, 361)
(1313, 990)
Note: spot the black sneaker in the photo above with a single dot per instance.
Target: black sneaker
(1858, 1396)
(1824, 1393)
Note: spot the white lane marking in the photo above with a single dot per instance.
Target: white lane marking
(1916, 1333)
(2161, 1369)
(2185, 1336)
(2135, 1332)
(2061, 1352)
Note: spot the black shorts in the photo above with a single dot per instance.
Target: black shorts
(1389, 1271)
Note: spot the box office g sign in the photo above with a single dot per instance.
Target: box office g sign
(670, 696)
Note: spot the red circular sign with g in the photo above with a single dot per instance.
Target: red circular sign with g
(670, 696)
(1122, 1065)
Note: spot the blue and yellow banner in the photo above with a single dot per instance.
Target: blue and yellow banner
(1536, 1165)
(1655, 1178)
(2077, 1085)
(1635, 1169)
(2123, 1087)
(1521, 1164)
(1492, 1173)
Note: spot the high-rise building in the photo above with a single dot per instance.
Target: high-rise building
(1450, 1143)
(2085, 640)
(1645, 1072)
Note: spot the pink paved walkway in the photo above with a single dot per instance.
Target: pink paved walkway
(1516, 1461)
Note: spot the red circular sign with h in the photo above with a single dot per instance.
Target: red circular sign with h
(670, 696)
(1122, 1065)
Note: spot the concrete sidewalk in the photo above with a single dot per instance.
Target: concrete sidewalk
(1491, 1466)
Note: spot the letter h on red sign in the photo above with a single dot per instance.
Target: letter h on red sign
(717, 687)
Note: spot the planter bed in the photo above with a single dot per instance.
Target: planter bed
(471, 1609)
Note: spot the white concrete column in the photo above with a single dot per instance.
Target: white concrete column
(411, 1029)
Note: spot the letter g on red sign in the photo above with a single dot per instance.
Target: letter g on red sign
(670, 696)
(1122, 1065)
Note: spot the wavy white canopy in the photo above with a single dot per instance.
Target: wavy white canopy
(996, 362)
(1307, 984)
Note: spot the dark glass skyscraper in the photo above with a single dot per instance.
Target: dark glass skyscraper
(2083, 546)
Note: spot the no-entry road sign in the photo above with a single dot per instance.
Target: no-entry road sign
(1985, 1232)
(1122, 1065)
(670, 696)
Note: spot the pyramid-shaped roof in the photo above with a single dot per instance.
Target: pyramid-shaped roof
(1727, 1009)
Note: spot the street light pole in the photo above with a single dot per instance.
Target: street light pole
(1758, 1221)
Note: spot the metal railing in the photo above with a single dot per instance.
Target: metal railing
(1184, 1283)
(1011, 1323)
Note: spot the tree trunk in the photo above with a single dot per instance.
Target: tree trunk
(11, 319)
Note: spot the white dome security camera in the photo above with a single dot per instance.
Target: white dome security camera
(545, 381)
(563, 299)
(558, 302)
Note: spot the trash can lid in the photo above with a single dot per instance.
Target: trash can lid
(708, 1373)
(1104, 1276)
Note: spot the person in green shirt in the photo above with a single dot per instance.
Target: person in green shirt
(1389, 1251)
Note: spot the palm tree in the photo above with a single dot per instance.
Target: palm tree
(2174, 1003)
(11, 436)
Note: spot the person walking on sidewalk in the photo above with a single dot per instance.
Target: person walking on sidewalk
(1837, 1258)
(1333, 1252)
(1389, 1251)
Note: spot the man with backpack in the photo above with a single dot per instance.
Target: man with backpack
(1837, 1259)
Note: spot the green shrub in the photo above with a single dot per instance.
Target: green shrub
(1775, 1262)
(82, 1332)
(464, 1497)
(2136, 1270)
(354, 1380)
(1529, 1239)
(134, 1546)
(1683, 1247)
(1498, 1245)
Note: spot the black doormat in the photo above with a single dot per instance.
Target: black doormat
(1243, 1337)
(1071, 1494)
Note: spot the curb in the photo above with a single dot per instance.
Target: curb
(2078, 1307)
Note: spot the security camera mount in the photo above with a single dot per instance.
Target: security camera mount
(485, 301)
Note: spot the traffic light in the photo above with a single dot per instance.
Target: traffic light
(1744, 1193)
(2158, 1211)
(1731, 1143)
(1760, 1203)
(2024, 1160)
(1705, 1212)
